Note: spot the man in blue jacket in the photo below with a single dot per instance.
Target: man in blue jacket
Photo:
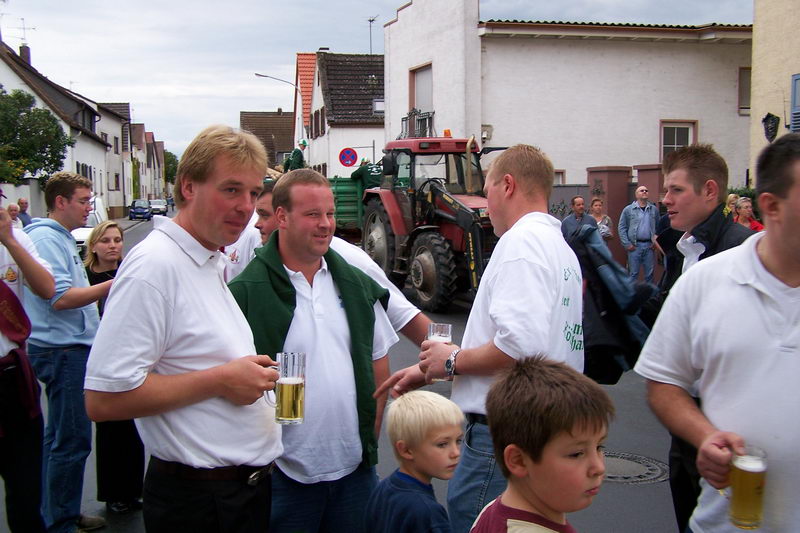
(637, 227)
(62, 331)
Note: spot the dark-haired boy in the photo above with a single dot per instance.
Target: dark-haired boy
(548, 425)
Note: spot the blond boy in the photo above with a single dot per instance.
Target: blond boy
(426, 430)
(548, 426)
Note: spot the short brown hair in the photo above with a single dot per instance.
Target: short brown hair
(572, 201)
(63, 184)
(596, 199)
(281, 196)
(530, 166)
(536, 399)
(775, 166)
(702, 163)
(242, 147)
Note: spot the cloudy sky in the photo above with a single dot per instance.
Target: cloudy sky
(185, 64)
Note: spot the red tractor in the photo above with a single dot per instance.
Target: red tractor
(429, 218)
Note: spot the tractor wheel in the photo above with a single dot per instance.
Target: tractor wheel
(378, 237)
(433, 272)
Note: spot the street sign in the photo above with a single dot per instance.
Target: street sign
(348, 157)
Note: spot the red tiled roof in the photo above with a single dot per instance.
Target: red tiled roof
(304, 78)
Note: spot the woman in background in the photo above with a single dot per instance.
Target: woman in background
(744, 214)
(730, 204)
(120, 453)
(604, 223)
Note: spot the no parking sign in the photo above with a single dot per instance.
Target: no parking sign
(348, 157)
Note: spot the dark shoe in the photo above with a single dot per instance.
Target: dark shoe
(124, 507)
(90, 523)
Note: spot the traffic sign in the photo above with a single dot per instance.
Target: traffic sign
(348, 157)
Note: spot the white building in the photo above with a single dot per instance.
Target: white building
(588, 94)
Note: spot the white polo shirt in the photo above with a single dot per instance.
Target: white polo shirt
(529, 301)
(744, 362)
(170, 312)
(239, 254)
(326, 446)
(400, 310)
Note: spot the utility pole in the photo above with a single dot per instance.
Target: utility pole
(371, 20)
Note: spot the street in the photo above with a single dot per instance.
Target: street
(636, 450)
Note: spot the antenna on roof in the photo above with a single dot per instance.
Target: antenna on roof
(24, 31)
(371, 20)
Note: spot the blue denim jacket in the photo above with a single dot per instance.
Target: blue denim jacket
(51, 328)
(629, 222)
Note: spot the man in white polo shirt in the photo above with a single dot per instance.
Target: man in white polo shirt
(299, 295)
(529, 301)
(175, 352)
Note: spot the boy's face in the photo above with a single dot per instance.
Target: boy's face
(569, 474)
(436, 456)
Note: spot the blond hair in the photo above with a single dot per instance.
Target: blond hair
(416, 413)
(531, 168)
(95, 236)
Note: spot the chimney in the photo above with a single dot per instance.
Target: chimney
(25, 53)
(280, 111)
(324, 49)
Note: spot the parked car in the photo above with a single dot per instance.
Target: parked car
(158, 207)
(140, 209)
(97, 215)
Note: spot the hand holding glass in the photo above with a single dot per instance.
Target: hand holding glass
(747, 476)
(439, 332)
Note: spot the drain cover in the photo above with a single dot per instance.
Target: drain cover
(634, 469)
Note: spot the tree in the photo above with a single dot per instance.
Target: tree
(170, 166)
(31, 139)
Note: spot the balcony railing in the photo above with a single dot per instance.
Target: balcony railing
(417, 124)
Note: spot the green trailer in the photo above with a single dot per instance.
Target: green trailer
(347, 202)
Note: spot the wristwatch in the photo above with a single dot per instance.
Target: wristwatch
(450, 364)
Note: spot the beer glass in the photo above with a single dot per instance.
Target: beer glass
(748, 473)
(290, 388)
(439, 332)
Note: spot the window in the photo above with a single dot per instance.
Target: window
(104, 136)
(77, 167)
(795, 120)
(116, 145)
(744, 91)
(324, 169)
(559, 176)
(322, 121)
(421, 89)
(677, 134)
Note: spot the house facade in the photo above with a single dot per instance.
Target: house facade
(588, 94)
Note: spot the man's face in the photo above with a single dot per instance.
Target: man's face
(578, 207)
(642, 194)
(219, 209)
(74, 211)
(782, 225)
(307, 230)
(493, 189)
(266, 223)
(13, 211)
(568, 475)
(685, 207)
(23, 204)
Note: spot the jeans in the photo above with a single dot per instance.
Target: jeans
(327, 506)
(68, 435)
(477, 481)
(643, 256)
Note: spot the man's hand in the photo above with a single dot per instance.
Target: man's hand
(631, 247)
(6, 232)
(244, 380)
(401, 382)
(432, 358)
(714, 457)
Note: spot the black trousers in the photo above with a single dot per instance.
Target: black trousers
(20, 459)
(120, 461)
(172, 504)
(684, 480)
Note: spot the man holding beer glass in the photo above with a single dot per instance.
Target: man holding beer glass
(301, 296)
(743, 366)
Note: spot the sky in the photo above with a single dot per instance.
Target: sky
(186, 64)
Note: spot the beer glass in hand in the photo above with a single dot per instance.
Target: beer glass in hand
(290, 388)
(439, 332)
(747, 476)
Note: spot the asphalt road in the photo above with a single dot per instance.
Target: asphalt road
(621, 506)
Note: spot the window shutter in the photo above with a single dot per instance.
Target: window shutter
(795, 124)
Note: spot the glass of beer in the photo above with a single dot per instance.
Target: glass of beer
(439, 332)
(748, 473)
(290, 388)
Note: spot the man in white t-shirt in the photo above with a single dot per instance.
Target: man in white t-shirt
(175, 352)
(743, 365)
(300, 296)
(21, 428)
(529, 301)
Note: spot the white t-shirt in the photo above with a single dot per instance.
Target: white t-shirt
(400, 310)
(326, 446)
(745, 359)
(240, 253)
(12, 276)
(170, 312)
(529, 301)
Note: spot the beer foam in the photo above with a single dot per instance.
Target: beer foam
(291, 381)
(440, 338)
(750, 463)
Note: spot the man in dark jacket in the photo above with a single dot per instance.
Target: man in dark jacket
(696, 183)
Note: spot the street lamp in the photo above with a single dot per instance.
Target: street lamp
(296, 88)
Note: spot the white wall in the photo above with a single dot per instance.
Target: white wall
(444, 34)
(592, 103)
(359, 138)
